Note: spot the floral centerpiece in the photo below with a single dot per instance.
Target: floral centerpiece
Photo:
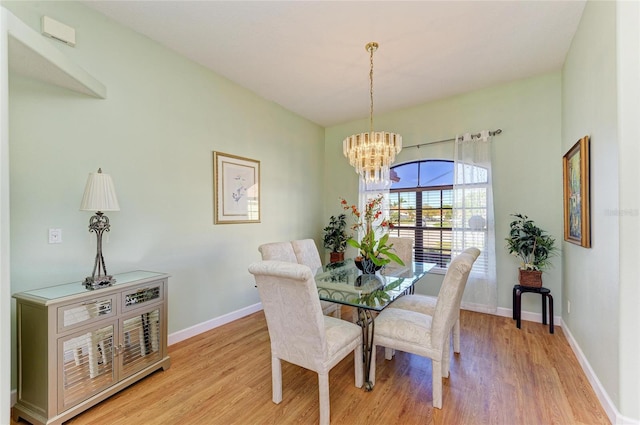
(373, 253)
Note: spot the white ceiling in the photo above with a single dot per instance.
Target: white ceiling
(309, 56)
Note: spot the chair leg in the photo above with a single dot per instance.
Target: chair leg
(436, 383)
(276, 379)
(388, 353)
(446, 356)
(358, 365)
(456, 336)
(323, 386)
(338, 312)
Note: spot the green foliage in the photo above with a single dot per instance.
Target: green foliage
(376, 250)
(335, 234)
(533, 245)
(379, 296)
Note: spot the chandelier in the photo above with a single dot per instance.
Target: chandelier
(372, 153)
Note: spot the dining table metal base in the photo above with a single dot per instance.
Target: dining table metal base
(366, 322)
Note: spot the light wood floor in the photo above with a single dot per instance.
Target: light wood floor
(502, 376)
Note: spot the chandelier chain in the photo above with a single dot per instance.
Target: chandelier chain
(371, 50)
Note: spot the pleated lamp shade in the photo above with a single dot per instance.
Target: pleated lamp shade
(99, 193)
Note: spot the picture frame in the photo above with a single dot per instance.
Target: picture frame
(575, 176)
(236, 189)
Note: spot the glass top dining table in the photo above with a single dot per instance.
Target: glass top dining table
(343, 283)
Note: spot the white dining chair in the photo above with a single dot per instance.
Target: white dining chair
(300, 334)
(423, 334)
(426, 304)
(307, 253)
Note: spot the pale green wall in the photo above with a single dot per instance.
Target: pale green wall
(164, 115)
(154, 134)
(628, 70)
(591, 276)
(526, 161)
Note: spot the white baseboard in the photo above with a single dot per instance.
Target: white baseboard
(212, 324)
(609, 407)
(528, 316)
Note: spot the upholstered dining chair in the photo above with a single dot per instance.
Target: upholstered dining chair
(284, 251)
(299, 332)
(423, 334)
(404, 249)
(427, 305)
(307, 253)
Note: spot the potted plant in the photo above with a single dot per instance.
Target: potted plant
(534, 246)
(335, 237)
(373, 253)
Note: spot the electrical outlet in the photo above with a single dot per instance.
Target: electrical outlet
(568, 307)
(55, 235)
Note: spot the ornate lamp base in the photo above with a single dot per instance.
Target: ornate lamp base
(99, 224)
(96, 282)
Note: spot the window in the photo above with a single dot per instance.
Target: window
(421, 208)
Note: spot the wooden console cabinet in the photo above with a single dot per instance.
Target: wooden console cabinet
(77, 347)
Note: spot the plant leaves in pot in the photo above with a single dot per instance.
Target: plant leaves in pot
(533, 246)
(335, 237)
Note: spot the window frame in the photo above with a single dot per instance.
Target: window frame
(443, 255)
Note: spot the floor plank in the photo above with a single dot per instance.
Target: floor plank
(503, 375)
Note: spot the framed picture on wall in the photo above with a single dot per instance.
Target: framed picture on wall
(236, 189)
(575, 176)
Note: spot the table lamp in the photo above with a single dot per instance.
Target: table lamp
(99, 196)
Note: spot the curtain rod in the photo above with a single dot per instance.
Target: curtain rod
(491, 133)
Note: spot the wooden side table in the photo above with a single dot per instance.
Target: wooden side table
(518, 290)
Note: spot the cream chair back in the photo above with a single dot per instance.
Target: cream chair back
(403, 248)
(307, 253)
(278, 251)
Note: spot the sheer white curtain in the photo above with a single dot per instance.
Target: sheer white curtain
(473, 219)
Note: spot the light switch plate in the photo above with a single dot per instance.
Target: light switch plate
(55, 235)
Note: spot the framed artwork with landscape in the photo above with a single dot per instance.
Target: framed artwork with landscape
(575, 173)
(236, 189)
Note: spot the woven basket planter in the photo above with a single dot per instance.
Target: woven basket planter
(530, 278)
(336, 257)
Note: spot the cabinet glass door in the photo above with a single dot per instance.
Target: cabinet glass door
(86, 363)
(140, 341)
